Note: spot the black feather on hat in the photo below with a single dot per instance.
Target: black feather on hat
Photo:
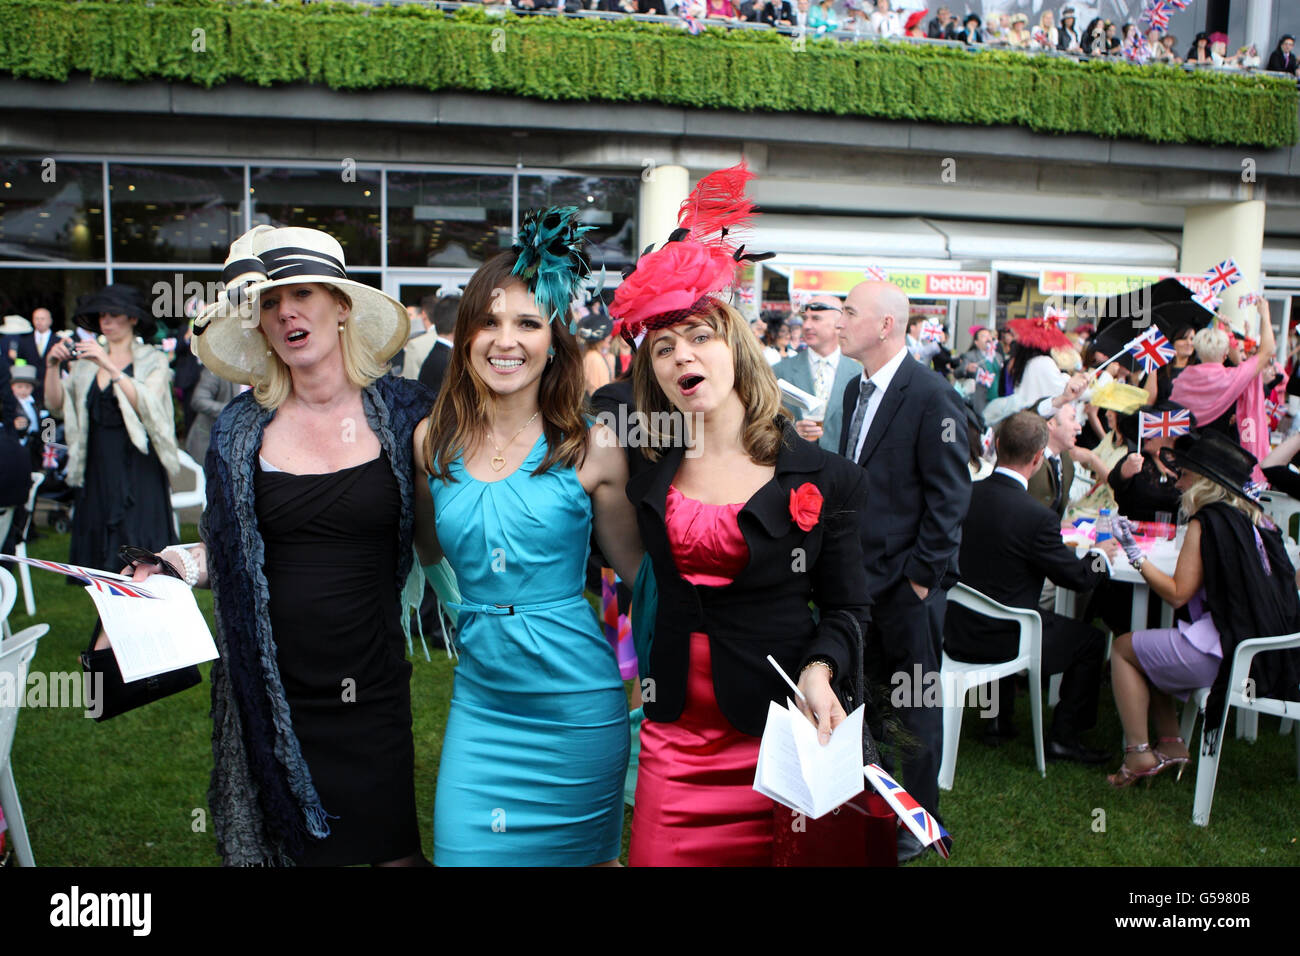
(116, 299)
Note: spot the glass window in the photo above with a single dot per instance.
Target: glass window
(608, 203)
(174, 295)
(175, 213)
(449, 220)
(343, 202)
(51, 210)
(26, 289)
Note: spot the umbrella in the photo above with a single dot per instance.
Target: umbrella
(1170, 303)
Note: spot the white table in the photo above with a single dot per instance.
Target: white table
(1164, 555)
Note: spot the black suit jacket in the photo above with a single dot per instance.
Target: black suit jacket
(435, 367)
(918, 483)
(765, 609)
(1010, 542)
(28, 352)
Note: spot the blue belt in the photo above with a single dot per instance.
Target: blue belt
(513, 609)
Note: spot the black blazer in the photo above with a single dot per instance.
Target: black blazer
(918, 483)
(1010, 542)
(435, 367)
(765, 609)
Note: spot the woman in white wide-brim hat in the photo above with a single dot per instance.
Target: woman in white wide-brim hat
(307, 546)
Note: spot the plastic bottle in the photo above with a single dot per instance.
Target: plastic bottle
(1103, 526)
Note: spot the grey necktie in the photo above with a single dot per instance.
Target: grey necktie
(859, 413)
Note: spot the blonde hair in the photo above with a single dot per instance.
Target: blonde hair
(1206, 491)
(1211, 344)
(755, 384)
(360, 364)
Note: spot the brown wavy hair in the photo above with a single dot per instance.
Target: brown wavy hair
(755, 384)
(460, 416)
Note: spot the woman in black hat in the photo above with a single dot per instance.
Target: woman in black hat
(594, 330)
(1068, 34)
(116, 402)
(1199, 54)
(1143, 484)
(971, 32)
(1236, 580)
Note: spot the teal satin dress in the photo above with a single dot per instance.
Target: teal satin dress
(536, 746)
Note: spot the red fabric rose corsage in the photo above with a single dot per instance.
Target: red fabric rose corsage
(806, 505)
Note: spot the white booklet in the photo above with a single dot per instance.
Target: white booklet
(811, 406)
(153, 627)
(795, 770)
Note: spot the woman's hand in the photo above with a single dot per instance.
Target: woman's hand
(92, 350)
(822, 707)
(58, 353)
(1132, 465)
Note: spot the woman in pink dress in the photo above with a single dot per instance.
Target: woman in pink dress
(744, 523)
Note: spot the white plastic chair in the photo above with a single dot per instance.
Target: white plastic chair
(1207, 768)
(198, 498)
(20, 547)
(1281, 508)
(959, 677)
(15, 656)
(8, 598)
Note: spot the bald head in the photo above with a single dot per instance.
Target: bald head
(873, 325)
(42, 320)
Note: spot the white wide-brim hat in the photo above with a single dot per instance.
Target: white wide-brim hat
(227, 333)
(15, 325)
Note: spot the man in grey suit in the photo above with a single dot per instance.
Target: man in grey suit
(821, 370)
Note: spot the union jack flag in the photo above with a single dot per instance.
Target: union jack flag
(910, 813)
(1166, 424)
(1060, 316)
(745, 294)
(50, 456)
(1152, 349)
(1157, 16)
(1250, 298)
(1208, 300)
(1275, 412)
(983, 377)
(877, 273)
(1223, 275)
(1178, 4)
(99, 580)
(931, 331)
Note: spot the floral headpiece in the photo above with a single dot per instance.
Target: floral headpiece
(699, 259)
(550, 260)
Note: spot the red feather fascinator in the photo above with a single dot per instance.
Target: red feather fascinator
(679, 279)
(1039, 333)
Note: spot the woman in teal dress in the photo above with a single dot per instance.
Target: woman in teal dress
(536, 745)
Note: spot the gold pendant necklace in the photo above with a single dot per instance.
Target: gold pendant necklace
(499, 459)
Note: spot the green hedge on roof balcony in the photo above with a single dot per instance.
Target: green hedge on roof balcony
(356, 47)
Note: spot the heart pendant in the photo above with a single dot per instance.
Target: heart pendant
(498, 462)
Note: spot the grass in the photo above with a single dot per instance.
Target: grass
(132, 791)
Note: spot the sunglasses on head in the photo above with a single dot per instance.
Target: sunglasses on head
(134, 557)
(821, 307)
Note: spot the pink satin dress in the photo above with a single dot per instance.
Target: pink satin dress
(695, 802)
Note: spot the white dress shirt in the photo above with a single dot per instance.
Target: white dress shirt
(884, 375)
(1020, 479)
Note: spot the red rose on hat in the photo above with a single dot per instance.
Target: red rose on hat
(806, 505)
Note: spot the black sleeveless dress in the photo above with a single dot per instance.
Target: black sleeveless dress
(331, 563)
(125, 497)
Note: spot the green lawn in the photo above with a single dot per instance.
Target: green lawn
(126, 792)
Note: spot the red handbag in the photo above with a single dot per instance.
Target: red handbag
(862, 832)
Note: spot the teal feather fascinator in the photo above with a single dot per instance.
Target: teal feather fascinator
(551, 263)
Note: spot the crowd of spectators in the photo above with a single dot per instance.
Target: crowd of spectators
(879, 18)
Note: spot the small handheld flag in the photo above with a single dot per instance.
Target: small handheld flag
(1166, 424)
(983, 377)
(1250, 298)
(877, 273)
(1223, 275)
(910, 813)
(1059, 316)
(1208, 300)
(1152, 349)
(931, 332)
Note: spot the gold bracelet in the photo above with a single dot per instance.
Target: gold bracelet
(819, 663)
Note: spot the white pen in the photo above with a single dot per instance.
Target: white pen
(786, 677)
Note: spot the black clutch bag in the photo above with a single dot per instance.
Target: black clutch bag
(114, 696)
